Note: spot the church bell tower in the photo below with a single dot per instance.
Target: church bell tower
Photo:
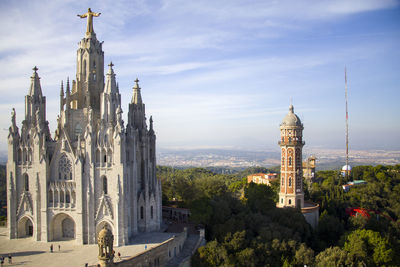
(291, 143)
(90, 69)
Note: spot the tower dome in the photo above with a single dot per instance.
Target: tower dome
(346, 168)
(291, 119)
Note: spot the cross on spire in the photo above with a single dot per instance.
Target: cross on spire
(111, 64)
(35, 69)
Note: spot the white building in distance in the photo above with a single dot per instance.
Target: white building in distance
(95, 171)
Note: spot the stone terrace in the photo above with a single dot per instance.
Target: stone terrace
(26, 252)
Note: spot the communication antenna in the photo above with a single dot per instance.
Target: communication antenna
(347, 125)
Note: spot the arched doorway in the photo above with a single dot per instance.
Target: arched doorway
(68, 228)
(62, 227)
(25, 227)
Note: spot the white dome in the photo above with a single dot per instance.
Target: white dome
(346, 168)
(291, 119)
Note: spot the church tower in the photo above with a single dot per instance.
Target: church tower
(291, 143)
(95, 172)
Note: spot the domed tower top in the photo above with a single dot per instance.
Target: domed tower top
(291, 119)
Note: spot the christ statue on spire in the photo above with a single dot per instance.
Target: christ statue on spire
(89, 15)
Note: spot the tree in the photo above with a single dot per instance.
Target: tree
(260, 197)
(329, 229)
(333, 257)
(362, 244)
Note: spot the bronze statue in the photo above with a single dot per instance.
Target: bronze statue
(89, 15)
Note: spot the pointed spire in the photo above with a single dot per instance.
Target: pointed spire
(151, 131)
(62, 89)
(68, 89)
(136, 98)
(110, 70)
(111, 85)
(67, 98)
(62, 97)
(35, 89)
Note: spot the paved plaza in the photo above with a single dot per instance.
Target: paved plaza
(26, 252)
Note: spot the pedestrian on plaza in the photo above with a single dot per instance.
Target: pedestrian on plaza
(59, 247)
(2, 261)
(119, 256)
(9, 258)
(86, 264)
(51, 248)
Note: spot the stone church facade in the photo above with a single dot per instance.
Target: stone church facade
(94, 171)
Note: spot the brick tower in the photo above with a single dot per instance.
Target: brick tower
(291, 143)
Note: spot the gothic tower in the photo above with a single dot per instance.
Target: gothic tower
(291, 143)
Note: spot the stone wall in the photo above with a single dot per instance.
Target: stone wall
(311, 213)
(157, 256)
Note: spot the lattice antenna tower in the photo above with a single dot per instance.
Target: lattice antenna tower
(347, 124)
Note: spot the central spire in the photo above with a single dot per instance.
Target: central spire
(136, 98)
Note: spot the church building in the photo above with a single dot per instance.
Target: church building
(94, 170)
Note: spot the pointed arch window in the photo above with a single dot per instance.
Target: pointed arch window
(290, 161)
(84, 68)
(151, 212)
(141, 213)
(290, 181)
(67, 197)
(19, 155)
(105, 185)
(50, 196)
(26, 182)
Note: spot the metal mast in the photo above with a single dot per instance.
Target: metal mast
(347, 125)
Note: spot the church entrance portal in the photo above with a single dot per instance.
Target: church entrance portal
(62, 227)
(25, 227)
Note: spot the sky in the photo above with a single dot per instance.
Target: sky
(221, 74)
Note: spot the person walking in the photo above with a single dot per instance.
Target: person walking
(2, 261)
(51, 248)
(9, 258)
(59, 247)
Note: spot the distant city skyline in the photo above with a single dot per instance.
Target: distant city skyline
(221, 74)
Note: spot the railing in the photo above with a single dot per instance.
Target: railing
(292, 143)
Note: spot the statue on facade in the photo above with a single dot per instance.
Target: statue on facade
(89, 15)
(13, 117)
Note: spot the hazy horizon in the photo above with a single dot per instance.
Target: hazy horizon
(221, 74)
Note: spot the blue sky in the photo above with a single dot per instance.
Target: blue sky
(221, 73)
